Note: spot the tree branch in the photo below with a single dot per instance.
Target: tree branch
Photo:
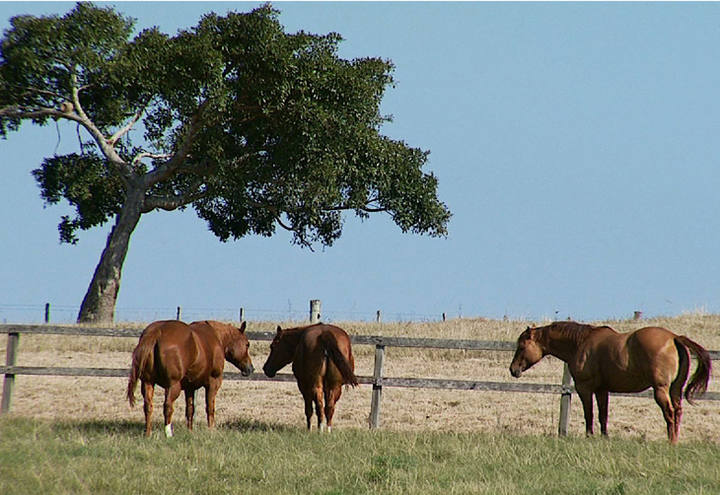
(120, 133)
(16, 112)
(168, 168)
(172, 202)
(145, 154)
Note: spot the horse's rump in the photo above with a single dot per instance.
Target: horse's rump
(143, 358)
(329, 342)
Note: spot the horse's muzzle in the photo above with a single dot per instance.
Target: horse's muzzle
(268, 372)
(247, 370)
(516, 372)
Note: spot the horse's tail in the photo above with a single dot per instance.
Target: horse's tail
(699, 381)
(142, 358)
(343, 363)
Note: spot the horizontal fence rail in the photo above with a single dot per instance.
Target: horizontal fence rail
(377, 381)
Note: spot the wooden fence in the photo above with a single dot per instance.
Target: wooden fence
(378, 380)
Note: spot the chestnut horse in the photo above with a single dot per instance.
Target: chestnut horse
(602, 360)
(322, 362)
(184, 357)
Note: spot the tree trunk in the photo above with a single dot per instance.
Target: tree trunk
(98, 306)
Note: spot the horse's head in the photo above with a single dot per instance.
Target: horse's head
(280, 354)
(528, 352)
(238, 352)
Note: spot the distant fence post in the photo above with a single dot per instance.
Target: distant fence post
(378, 316)
(565, 401)
(9, 382)
(315, 310)
(242, 315)
(637, 315)
(377, 386)
(47, 312)
(177, 317)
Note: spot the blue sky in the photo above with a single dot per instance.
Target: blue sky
(575, 143)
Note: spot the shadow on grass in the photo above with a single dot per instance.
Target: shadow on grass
(102, 427)
(129, 428)
(243, 425)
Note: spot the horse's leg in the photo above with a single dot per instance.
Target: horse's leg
(210, 392)
(332, 395)
(171, 394)
(319, 409)
(676, 400)
(148, 390)
(308, 396)
(676, 390)
(602, 401)
(587, 403)
(189, 408)
(662, 397)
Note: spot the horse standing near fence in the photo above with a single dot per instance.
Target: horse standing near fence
(602, 360)
(184, 357)
(322, 362)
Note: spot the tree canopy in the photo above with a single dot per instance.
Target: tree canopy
(253, 127)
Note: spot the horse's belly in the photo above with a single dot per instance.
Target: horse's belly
(628, 385)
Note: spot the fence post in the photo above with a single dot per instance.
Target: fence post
(377, 386)
(566, 395)
(242, 315)
(9, 382)
(378, 316)
(177, 317)
(47, 312)
(314, 310)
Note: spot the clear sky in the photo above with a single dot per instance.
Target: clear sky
(577, 146)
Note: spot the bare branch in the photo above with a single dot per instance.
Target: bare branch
(120, 133)
(154, 156)
(16, 112)
(168, 168)
(367, 207)
(171, 202)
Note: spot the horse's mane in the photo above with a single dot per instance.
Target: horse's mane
(571, 330)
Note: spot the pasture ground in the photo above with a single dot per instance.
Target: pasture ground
(109, 457)
(415, 410)
(78, 435)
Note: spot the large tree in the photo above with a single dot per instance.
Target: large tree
(253, 127)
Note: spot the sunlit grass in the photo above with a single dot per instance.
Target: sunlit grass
(38, 457)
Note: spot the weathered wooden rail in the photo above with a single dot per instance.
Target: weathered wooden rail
(377, 381)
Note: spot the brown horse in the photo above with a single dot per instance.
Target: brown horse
(322, 362)
(178, 357)
(602, 360)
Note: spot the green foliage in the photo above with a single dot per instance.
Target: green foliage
(41, 56)
(252, 126)
(39, 457)
(84, 181)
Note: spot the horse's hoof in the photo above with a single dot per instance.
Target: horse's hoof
(168, 430)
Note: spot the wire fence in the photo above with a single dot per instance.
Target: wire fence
(67, 314)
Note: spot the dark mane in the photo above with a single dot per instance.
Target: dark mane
(570, 330)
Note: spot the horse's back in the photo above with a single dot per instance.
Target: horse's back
(206, 332)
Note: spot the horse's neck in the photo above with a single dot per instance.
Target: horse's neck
(560, 344)
(291, 337)
(224, 335)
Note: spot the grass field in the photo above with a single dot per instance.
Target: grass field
(109, 457)
(78, 435)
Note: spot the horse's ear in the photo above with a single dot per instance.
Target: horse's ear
(279, 329)
(242, 327)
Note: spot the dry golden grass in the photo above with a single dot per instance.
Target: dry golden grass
(402, 409)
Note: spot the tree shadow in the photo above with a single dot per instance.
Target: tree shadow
(102, 427)
(248, 425)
